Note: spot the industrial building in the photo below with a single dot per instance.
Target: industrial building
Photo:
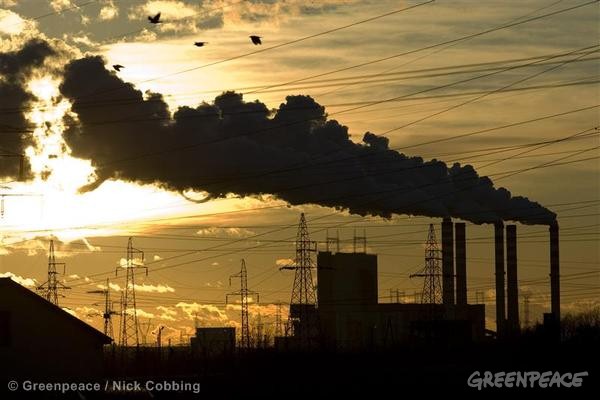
(349, 316)
(210, 342)
(352, 318)
(39, 339)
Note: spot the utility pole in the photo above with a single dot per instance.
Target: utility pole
(129, 324)
(51, 287)
(159, 337)
(526, 309)
(302, 315)
(243, 293)
(432, 287)
(108, 310)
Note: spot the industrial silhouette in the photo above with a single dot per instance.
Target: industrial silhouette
(340, 314)
(335, 332)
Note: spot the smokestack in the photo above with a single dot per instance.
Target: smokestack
(499, 252)
(447, 261)
(554, 273)
(461, 263)
(512, 284)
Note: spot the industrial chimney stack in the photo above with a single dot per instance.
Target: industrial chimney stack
(460, 253)
(554, 273)
(447, 262)
(499, 256)
(512, 284)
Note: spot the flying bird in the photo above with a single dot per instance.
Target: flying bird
(118, 67)
(155, 19)
(255, 39)
(200, 44)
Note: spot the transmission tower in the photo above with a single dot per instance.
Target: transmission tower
(278, 324)
(51, 287)
(129, 322)
(301, 316)
(432, 287)
(332, 242)
(145, 327)
(108, 310)
(259, 331)
(243, 293)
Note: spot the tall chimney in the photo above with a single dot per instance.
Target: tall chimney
(447, 261)
(512, 284)
(499, 252)
(554, 273)
(460, 251)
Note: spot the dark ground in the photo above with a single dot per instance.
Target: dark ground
(404, 371)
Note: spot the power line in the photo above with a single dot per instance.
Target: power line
(410, 75)
(439, 50)
(61, 11)
(462, 38)
(263, 50)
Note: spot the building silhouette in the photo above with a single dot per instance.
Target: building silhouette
(351, 318)
(39, 339)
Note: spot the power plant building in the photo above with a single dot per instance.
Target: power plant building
(352, 318)
(209, 342)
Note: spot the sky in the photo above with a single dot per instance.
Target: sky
(158, 152)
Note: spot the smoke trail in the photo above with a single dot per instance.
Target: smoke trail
(244, 142)
(15, 70)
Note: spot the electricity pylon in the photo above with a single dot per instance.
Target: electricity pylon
(432, 287)
(302, 316)
(243, 293)
(129, 322)
(278, 324)
(51, 287)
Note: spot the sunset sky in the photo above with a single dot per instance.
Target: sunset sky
(509, 87)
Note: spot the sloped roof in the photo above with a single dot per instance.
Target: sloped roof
(9, 284)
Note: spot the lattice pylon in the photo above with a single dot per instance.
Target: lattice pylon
(432, 272)
(244, 294)
(52, 286)
(129, 322)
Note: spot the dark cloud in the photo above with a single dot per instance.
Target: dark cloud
(294, 152)
(15, 70)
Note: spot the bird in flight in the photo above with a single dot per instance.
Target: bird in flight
(155, 19)
(200, 44)
(255, 39)
(117, 67)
